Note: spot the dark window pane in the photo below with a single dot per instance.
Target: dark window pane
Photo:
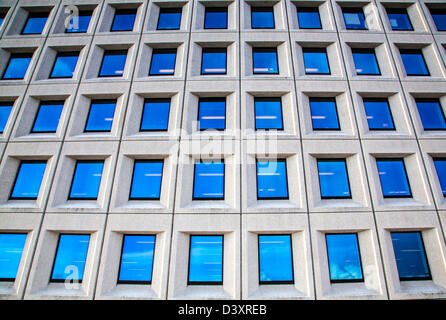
(80, 23)
(431, 114)
(343, 257)
(213, 61)
(378, 114)
(209, 180)
(5, 111)
(86, 180)
(17, 66)
(124, 20)
(64, 65)
(365, 62)
(11, 249)
(47, 117)
(262, 17)
(393, 177)
(316, 61)
(206, 259)
(28, 180)
(324, 115)
(333, 178)
(440, 166)
(169, 19)
(216, 18)
(410, 256)
(70, 258)
(439, 17)
(35, 23)
(163, 62)
(399, 20)
(414, 63)
(146, 182)
(113, 63)
(155, 116)
(309, 18)
(212, 113)
(271, 179)
(354, 18)
(275, 259)
(2, 17)
(265, 61)
(100, 117)
(268, 113)
(137, 259)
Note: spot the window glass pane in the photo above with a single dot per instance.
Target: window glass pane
(64, 65)
(137, 259)
(113, 63)
(169, 19)
(2, 17)
(333, 178)
(100, 117)
(365, 62)
(378, 114)
(414, 63)
(262, 17)
(80, 23)
(11, 249)
(213, 61)
(265, 60)
(439, 17)
(309, 18)
(344, 258)
(393, 177)
(324, 115)
(316, 61)
(163, 62)
(146, 182)
(354, 18)
(28, 180)
(268, 113)
(70, 258)
(209, 180)
(124, 20)
(35, 23)
(86, 180)
(212, 113)
(206, 259)
(399, 20)
(410, 256)
(48, 115)
(5, 111)
(271, 179)
(440, 166)
(275, 259)
(17, 66)
(155, 115)
(431, 114)
(216, 18)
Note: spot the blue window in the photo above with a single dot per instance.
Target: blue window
(5, 111)
(70, 259)
(309, 18)
(11, 249)
(216, 18)
(431, 114)
(28, 180)
(64, 65)
(344, 258)
(440, 166)
(146, 182)
(80, 23)
(113, 63)
(47, 117)
(365, 62)
(137, 259)
(268, 113)
(439, 17)
(205, 260)
(169, 19)
(163, 62)
(264, 61)
(155, 116)
(271, 179)
(17, 66)
(2, 17)
(212, 113)
(86, 180)
(123, 20)
(275, 259)
(262, 17)
(399, 20)
(209, 180)
(324, 114)
(354, 18)
(100, 116)
(316, 61)
(410, 256)
(393, 177)
(414, 62)
(378, 114)
(333, 179)
(35, 23)
(213, 61)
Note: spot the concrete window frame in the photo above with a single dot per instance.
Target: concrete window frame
(370, 13)
(154, 11)
(426, 5)
(108, 10)
(325, 15)
(199, 14)
(414, 12)
(64, 13)
(7, 9)
(278, 10)
(14, 94)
